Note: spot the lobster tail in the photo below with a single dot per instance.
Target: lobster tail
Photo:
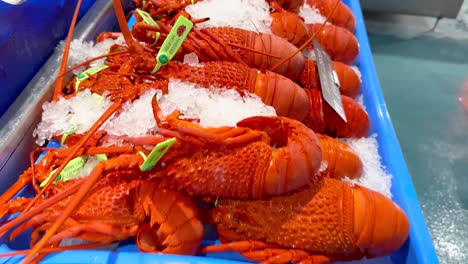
(288, 98)
(328, 218)
(290, 138)
(380, 226)
(175, 225)
(339, 43)
(343, 16)
(357, 125)
(340, 159)
(289, 26)
(276, 47)
(293, 160)
(350, 83)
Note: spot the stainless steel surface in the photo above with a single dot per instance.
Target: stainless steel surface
(18, 123)
(436, 8)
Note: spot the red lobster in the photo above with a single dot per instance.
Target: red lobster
(123, 203)
(328, 221)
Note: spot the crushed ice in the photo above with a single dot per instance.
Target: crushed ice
(81, 51)
(311, 15)
(375, 176)
(213, 107)
(250, 15)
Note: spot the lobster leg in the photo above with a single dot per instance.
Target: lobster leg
(124, 161)
(24, 179)
(267, 253)
(101, 231)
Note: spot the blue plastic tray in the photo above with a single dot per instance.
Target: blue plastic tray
(29, 32)
(417, 249)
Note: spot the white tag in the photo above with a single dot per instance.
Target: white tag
(328, 80)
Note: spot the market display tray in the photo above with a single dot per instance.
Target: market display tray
(16, 142)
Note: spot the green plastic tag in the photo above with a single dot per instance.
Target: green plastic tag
(146, 17)
(85, 75)
(101, 157)
(173, 42)
(158, 151)
(65, 136)
(70, 171)
(150, 21)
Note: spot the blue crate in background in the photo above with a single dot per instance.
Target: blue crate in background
(29, 32)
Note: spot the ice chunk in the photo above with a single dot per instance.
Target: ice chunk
(309, 54)
(358, 72)
(136, 118)
(250, 15)
(76, 114)
(374, 175)
(192, 60)
(311, 15)
(214, 106)
(81, 51)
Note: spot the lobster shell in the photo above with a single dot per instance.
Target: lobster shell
(350, 82)
(340, 159)
(251, 170)
(288, 98)
(264, 43)
(331, 218)
(322, 118)
(343, 16)
(339, 43)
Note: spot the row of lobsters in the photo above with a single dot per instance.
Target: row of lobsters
(261, 183)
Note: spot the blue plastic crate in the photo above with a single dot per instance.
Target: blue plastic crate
(29, 32)
(417, 249)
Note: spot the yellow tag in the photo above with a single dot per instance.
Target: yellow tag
(173, 42)
(85, 75)
(156, 154)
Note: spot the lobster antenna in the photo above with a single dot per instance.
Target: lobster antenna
(309, 40)
(109, 112)
(93, 59)
(84, 188)
(22, 181)
(49, 202)
(263, 43)
(63, 65)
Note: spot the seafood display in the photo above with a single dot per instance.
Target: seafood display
(138, 160)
